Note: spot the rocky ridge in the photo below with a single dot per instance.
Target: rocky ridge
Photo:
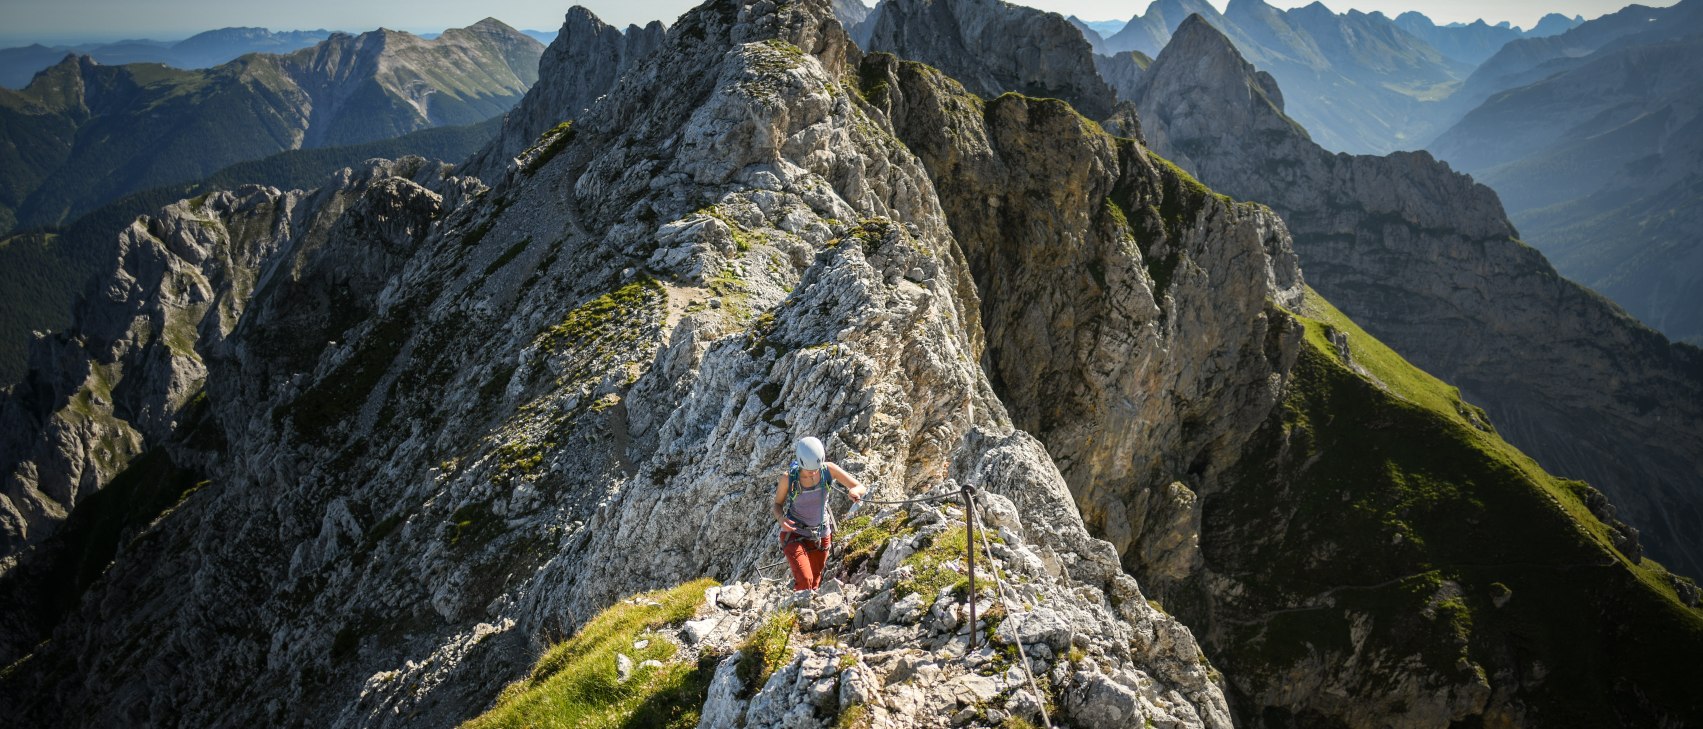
(1389, 240)
(130, 376)
(881, 646)
(1134, 322)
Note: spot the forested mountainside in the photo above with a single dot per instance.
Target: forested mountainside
(82, 134)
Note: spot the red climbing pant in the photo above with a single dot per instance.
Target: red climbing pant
(806, 563)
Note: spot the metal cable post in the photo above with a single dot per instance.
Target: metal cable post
(969, 492)
(999, 588)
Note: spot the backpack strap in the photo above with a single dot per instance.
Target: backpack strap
(791, 487)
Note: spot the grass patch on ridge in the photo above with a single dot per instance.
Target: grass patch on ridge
(575, 684)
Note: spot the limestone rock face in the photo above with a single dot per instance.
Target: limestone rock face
(992, 47)
(581, 64)
(583, 382)
(1132, 319)
(1426, 261)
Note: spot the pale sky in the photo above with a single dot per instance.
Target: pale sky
(65, 21)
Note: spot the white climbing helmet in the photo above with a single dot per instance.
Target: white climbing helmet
(810, 453)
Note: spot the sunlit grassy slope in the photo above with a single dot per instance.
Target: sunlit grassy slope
(1381, 514)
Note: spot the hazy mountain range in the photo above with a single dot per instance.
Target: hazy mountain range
(1358, 82)
(1600, 160)
(211, 48)
(1472, 43)
(84, 135)
(1595, 165)
(48, 270)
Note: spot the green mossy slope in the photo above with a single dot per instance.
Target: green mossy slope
(1379, 519)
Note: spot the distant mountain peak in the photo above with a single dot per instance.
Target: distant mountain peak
(1197, 38)
(1198, 34)
(1242, 6)
(1201, 55)
(1203, 65)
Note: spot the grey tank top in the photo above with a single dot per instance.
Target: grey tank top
(809, 505)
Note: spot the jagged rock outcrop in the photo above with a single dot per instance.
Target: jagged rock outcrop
(992, 47)
(116, 383)
(581, 64)
(614, 347)
(1121, 70)
(1425, 259)
(850, 13)
(884, 645)
(129, 377)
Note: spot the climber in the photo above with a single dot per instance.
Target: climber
(801, 507)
